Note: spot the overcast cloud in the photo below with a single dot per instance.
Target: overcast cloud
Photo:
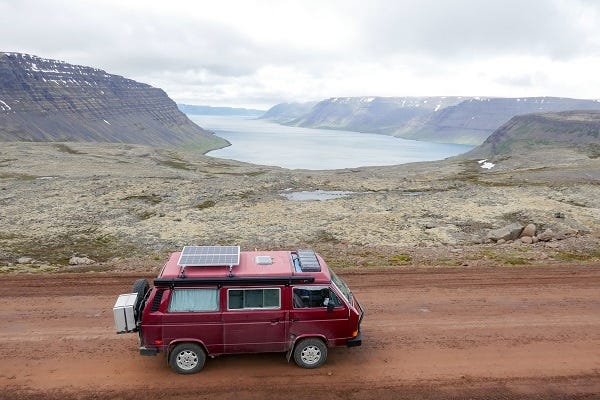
(259, 53)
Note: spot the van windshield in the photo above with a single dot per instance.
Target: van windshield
(341, 285)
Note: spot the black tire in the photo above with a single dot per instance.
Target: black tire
(187, 358)
(310, 353)
(141, 287)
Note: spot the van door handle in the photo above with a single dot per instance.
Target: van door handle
(274, 321)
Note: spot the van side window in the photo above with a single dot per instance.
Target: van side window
(253, 298)
(187, 300)
(311, 297)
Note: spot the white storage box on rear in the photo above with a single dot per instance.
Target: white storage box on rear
(124, 313)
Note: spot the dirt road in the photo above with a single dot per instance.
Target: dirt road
(429, 333)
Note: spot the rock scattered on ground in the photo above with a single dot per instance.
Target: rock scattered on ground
(508, 232)
(80, 261)
(117, 201)
(529, 230)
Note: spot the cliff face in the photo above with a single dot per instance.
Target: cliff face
(579, 130)
(48, 100)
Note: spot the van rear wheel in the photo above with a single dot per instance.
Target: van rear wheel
(310, 353)
(187, 358)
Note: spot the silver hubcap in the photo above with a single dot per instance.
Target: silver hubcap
(187, 360)
(310, 355)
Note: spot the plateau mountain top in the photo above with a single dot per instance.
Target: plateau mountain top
(49, 100)
(579, 130)
(464, 120)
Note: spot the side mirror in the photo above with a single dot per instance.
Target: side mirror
(330, 306)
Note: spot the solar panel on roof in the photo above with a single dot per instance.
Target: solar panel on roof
(308, 261)
(209, 256)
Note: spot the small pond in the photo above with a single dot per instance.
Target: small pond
(311, 195)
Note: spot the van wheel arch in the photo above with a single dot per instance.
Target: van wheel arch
(174, 344)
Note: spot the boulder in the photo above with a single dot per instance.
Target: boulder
(25, 260)
(509, 232)
(546, 236)
(80, 261)
(529, 230)
(527, 240)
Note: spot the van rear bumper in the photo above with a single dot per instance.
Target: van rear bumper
(357, 341)
(148, 352)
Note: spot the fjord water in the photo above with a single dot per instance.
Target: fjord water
(261, 142)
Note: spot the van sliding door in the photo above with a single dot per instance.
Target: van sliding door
(194, 315)
(254, 321)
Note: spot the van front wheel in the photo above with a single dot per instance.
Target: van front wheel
(187, 358)
(310, 353)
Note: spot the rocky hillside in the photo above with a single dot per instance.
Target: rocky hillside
(437, 119)
(578, 130)
(49, 100)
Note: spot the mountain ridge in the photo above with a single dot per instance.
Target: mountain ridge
(445, 119)
(50, 100)
(477, 118)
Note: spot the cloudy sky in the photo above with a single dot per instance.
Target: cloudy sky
(259, 53)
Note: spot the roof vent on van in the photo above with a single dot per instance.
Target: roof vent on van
(263, 260)
(308, 261)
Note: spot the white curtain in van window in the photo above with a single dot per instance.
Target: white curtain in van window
(194, 300)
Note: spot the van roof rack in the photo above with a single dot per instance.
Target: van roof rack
(247, 280)
(308, 260)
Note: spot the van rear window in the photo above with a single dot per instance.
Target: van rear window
(254, 298)
(187, 300)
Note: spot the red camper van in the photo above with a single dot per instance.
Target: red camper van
(212, 300)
